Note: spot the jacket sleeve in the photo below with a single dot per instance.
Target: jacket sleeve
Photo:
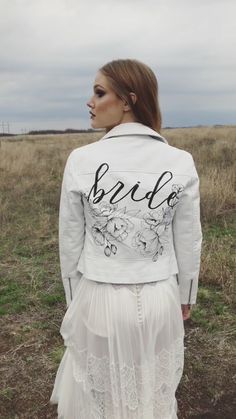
(187, 235)
(71, 231)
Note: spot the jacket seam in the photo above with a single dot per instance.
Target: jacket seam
(128, 260)
(131, 171)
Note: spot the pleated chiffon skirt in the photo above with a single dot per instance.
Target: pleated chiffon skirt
(124, 352)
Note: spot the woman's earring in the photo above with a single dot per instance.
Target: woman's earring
(133, 97)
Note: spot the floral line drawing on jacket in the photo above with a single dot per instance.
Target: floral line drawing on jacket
(147, 241)
(114, 225)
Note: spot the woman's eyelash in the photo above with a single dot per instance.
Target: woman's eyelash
(99, 93)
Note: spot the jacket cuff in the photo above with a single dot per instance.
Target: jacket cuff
(188, 291)
(70, 284)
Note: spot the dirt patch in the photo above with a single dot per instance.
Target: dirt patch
(27, 371)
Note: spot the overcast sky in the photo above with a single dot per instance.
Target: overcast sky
(50, 51)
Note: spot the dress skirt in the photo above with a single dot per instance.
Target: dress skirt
(124, 352)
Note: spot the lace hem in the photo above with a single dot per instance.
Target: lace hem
(149, 387)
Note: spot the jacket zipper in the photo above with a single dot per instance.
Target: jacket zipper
(71, 296)
(189, 297)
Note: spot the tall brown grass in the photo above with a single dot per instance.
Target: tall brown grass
(214, 152)
(30, 178)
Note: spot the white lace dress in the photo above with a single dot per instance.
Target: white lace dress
(124, 352)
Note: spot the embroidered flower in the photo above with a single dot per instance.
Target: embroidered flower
(147, 243)
(177, 189)
(159, 220)
(103, 210)
(153, 218)
(117, 227)
(106, 209)
(98, 234)
(113, 249)
(114, 224)
(167, 216)
(109, 249)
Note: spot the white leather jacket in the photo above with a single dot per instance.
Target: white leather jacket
(129, 212)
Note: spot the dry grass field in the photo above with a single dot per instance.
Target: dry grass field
(32, 301)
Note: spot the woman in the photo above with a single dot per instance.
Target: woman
(130, 238)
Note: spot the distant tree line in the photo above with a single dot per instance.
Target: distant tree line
(51, 131)
(56, 131)
(74, 131)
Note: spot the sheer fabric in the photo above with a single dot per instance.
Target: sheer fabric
(124, 352)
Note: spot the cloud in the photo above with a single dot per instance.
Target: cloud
(50, 52)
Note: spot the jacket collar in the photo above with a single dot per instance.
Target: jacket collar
(133, 128)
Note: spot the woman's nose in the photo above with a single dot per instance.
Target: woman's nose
(90, 103)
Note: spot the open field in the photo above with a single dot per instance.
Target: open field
(31, 295)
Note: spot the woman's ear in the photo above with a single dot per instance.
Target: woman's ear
(126, 104)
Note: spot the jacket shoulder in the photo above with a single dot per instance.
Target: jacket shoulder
(81, 152)
(84, 149)
(180, 151)
(182, 160)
